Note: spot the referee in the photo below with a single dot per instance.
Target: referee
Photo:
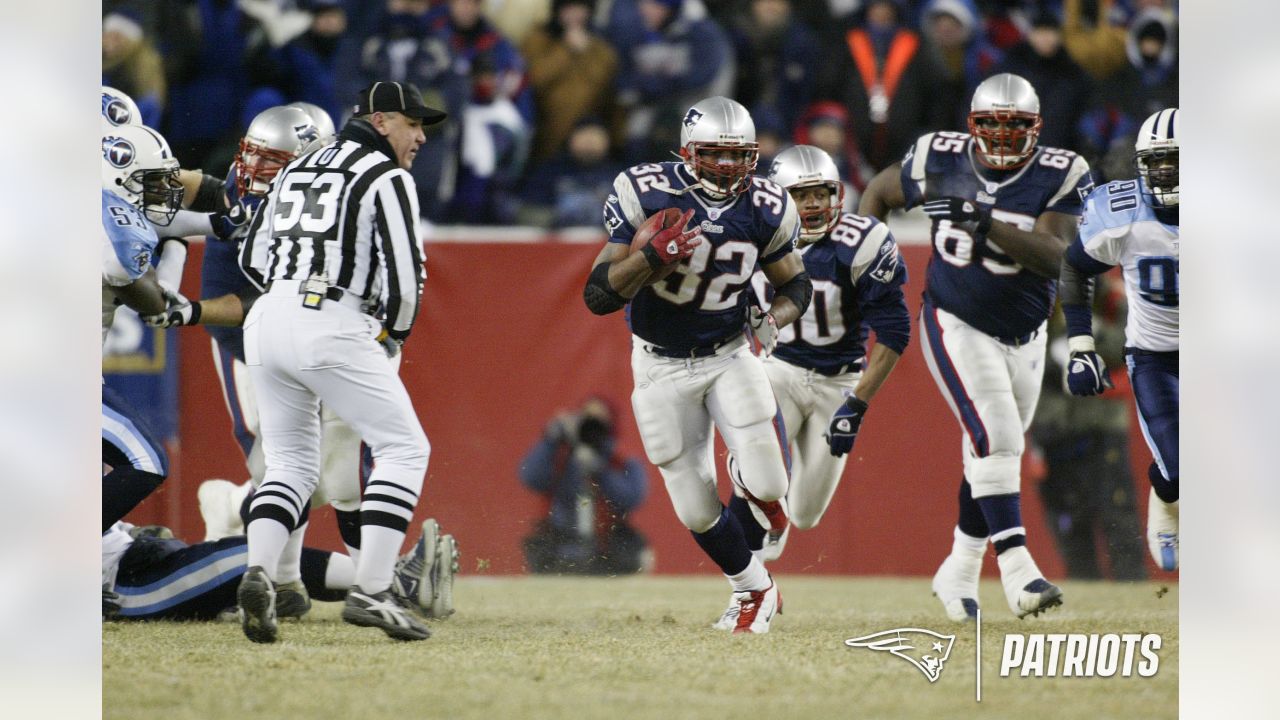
(336, 250)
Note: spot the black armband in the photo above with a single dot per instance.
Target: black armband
(209, 196)
(599, 295)
(799, 290)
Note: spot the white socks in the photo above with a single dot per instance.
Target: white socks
(267, 539)
(753, 578)
(379, 549)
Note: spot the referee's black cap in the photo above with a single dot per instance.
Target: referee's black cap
(397, 97)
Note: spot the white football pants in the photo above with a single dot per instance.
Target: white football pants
(808, 399)
(299, 358)
(339, 444)
(992, 388)
(676, 401)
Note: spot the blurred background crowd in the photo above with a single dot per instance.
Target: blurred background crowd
(550, 98)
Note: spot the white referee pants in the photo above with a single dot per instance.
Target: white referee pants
(299, 358)
(807, 400)
(992, 388)
(676, 401)
(339, 443)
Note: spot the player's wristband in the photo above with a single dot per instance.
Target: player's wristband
(197, 309)
(652, 257)
(1081, 343)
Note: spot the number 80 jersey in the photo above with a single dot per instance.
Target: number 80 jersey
(976, 281)
(702, 302)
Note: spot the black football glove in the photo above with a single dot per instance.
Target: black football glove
(964, 214)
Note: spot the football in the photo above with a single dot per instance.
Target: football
(656, 222)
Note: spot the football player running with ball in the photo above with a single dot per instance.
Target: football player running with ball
(692, 361)
(1003, 209)
(1134, 224)
(821, 372)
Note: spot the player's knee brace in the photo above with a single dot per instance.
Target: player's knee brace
(995, 474)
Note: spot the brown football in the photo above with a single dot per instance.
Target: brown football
(655, 223)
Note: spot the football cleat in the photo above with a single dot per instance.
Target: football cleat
(956, 585)
(383, 610)
(220, 502)
(257, 600)
(1025, 588)
(448, 560)
(1162, 532)
(413, 579)
(756, 609)
(292, 600)
(729, 620)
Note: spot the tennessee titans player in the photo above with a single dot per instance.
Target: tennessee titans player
(1004, 209)
(692, 362)
(820, 372)
(1134, 224)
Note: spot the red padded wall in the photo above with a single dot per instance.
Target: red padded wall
(504, 341)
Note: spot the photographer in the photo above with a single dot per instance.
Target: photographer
(590, 491)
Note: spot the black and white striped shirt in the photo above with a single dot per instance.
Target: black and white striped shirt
(350, 212)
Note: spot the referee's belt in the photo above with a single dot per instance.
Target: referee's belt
(693, 353)
(335, 294)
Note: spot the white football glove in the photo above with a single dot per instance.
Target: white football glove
(178, 311)
(765, 328)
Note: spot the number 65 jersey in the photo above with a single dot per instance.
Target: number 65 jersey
(700, 304)
(975, 280)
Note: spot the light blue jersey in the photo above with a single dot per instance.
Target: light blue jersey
(1121, 228)
(128, 243)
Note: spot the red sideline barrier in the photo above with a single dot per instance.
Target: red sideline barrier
(504, 342)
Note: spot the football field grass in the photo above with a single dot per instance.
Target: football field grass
(637, 647)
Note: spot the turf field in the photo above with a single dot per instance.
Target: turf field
(636, 647)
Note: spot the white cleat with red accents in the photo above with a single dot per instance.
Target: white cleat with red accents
(756, 609)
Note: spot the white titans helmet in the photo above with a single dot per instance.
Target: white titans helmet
(324, 123)
(1156, 157)
(718, 145)
(275, 137)
(138, 166)
(118, 109)
(1004, 120)
(805, 166)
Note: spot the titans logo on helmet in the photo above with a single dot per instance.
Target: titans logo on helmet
(306, 133)
(118, 151)
(115, 111)
(692, 117)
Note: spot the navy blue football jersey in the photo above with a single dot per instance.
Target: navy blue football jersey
(977, 282)
(220, 272)
(857, 276)
(702, 302)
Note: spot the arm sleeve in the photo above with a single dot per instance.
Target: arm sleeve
(784, 238)
(395, 223)
(879, 273)
(913, 172)
(1076, 186)
(187, 223)
(622, 210)
(536, 469)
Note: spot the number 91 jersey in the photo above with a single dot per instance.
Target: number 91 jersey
(976, 281)
(702, 303)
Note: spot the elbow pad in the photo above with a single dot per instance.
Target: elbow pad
(208, 196)
(599, 295)
(799, 290)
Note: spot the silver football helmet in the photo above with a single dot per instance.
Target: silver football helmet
(118, 109)
(1004, 120)
(138, 166)
(1156, 157)
(718, 145)
(274, 138)
(805, 166)
(324, 123)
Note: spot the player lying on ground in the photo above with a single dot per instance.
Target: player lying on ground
(1134, 224)
(817, 370)
(692, 363)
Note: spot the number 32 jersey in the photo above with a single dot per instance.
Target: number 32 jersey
(702, 302)
(976, 281)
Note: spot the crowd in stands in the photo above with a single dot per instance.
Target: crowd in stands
(548, 99)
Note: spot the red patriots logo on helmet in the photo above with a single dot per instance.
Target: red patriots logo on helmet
(925, 649)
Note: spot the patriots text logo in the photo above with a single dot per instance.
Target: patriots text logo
(925, 649)
(117, 151)
(692, 117)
